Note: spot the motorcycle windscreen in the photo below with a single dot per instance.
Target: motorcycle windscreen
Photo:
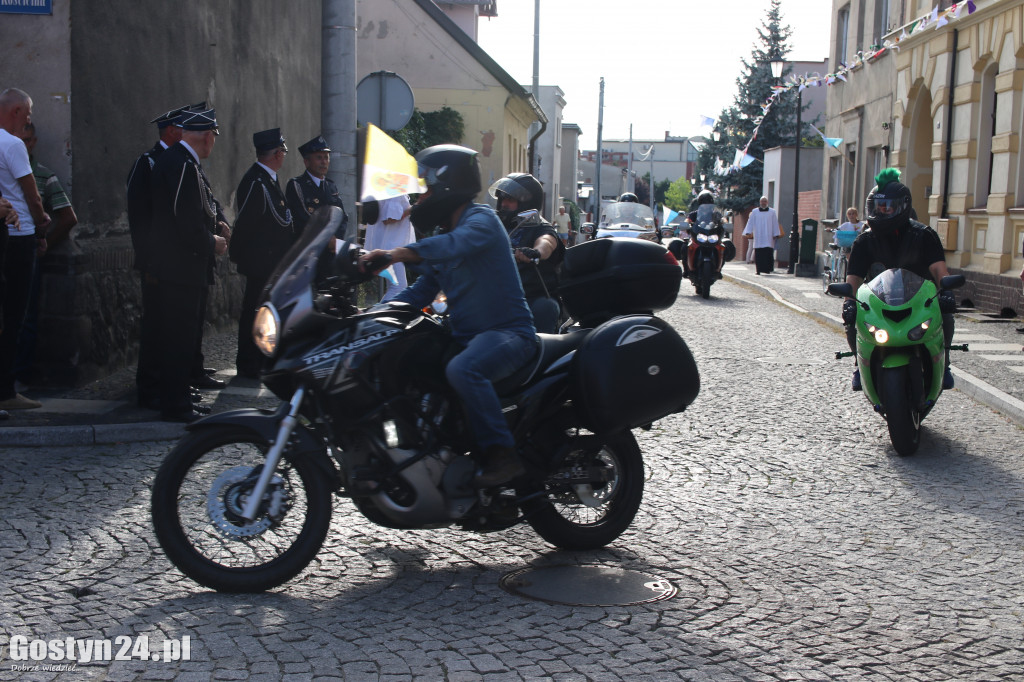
(301, 265)
(706, 217)
(896, 287)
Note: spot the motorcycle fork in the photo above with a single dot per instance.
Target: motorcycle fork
(284, 433)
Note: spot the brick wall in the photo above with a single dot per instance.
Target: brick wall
(991, 293)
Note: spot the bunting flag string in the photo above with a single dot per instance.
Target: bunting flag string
(935, 18)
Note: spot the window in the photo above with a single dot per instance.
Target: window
(771, 193)
(874, 163)
(986, 130)
(881, 20)
(842, 30)
(849, 185)
(835, 177)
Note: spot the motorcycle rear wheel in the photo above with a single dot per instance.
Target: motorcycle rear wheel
(198, 493)
(706, 276)
(901, 416)
(566, 522)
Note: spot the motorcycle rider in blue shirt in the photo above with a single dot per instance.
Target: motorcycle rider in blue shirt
(470, 259)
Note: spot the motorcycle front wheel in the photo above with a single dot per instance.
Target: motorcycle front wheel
(707, 276)
(198, 496)
(902, 417)
(591, 516)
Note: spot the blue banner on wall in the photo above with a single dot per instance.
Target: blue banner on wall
(26, 6)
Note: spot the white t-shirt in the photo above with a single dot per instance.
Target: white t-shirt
(856, 227)
(563, 221)
(14, 164)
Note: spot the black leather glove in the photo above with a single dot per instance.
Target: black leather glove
(532, 254)
(849, 311)
(947, 302)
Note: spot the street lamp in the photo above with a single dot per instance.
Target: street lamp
(794, 235)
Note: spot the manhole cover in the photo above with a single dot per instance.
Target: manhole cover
(587, 586)
(786, 360)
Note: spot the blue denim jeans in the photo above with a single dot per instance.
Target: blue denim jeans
(489, 357)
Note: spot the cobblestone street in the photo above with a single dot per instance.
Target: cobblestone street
(802, 547)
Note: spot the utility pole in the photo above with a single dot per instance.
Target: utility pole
(597, 173)
(338, 98)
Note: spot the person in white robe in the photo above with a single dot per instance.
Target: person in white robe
(392, 230)
(763, 224)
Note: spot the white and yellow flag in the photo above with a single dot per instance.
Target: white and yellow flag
(388, 169)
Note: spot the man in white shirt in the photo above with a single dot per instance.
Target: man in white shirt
(562, 223)
(24, 241)
(763, 224)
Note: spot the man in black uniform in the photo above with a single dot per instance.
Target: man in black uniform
(535, 244)
(184, 224)
(140, 223)
(313, 189)
(896, 240)
(263, 234)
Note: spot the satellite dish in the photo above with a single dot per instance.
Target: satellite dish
(385, 100)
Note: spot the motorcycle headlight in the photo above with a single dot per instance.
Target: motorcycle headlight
(917, 332)
(713, 239)
(881, 335)
(702, 237)
(265, 329)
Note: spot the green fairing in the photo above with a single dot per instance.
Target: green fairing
(886, 176)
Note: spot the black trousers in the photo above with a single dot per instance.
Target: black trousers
(249, 359)
(147, 374)
(764, 259)
(198, 360)
(179, 326)
(18, 263)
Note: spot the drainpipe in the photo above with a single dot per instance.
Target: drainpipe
(543, 126)
(949, 128)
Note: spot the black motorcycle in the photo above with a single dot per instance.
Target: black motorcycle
(243, 502)
(704, 250)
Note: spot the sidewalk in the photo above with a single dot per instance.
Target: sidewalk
(105, 411)
(991, 371)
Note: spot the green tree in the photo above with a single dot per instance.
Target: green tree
(425, 129)
(742, 189)
(677, 197)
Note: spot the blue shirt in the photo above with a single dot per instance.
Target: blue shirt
(473, 265)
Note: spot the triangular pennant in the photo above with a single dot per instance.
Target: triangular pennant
(970, 7)
(941, 22)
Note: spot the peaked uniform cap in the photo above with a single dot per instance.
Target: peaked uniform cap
(201, 119)
(317, 144)
(265, 140)
(173, 117)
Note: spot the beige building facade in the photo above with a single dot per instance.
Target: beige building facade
(955, 94)
(445, 67)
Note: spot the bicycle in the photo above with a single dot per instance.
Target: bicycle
(839, 253)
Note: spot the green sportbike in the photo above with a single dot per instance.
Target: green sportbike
(901, 350)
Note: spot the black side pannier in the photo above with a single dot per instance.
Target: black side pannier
(614, 276)
(631, 371)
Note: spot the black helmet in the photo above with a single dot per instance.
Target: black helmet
(522, 187)
(452, 175)
(630, 197)
(888, 204)
(705, 197)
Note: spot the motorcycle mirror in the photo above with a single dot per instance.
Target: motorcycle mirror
(952, 282)
(840, 290)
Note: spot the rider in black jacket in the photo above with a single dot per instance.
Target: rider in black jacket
(896, 240)
(538, 250)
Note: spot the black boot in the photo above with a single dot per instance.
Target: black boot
(501, 464)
